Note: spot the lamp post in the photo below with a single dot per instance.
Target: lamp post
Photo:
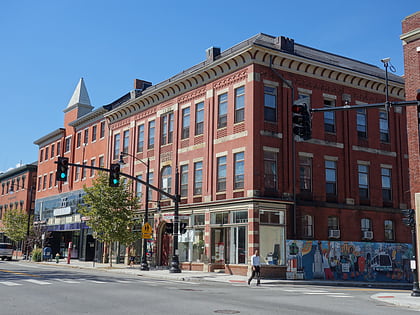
(144, 265)
(175, 260)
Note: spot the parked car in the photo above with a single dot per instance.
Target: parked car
(6, 251)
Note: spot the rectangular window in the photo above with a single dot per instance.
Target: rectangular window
(221, 173)
(151, 176)
(222, 110)
(185, 123)
(329, 117)
(92, 163)
(361, 123)
(366, 224)
(271, 217)
(383, 126)
(59, 148)
(239, 169)
(77, 175)
(78, 140)
(239, 104)
(126, 140)
(308, 226)
(139, 187)
(389, 230)
(270, 103)
(199, 118)
(116, 146)
(44, 182)
(41, 155)
(333, 223)
(94, 131)
(386, 184)
(46, 153)
(50, 182)
(270, 170)
(331, 177)
(167, 128)
(102, 131)
(198, 178)
(140, 139)
(184, 180)
(52, 150)
(151, 137)
(101, 161)
(86, 136)
(363, 172)
(305, 173)
(84, 170)
(67, 144)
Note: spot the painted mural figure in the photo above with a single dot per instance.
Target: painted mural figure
(356, 261)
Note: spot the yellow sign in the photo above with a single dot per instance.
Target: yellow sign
(147, 231)
(146, 228)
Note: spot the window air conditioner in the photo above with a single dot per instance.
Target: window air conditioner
(334, 234)
(367, 235)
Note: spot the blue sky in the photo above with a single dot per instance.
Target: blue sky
(47, 45)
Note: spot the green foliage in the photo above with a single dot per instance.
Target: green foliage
(37, 254)
(15, 222)
(110, 211)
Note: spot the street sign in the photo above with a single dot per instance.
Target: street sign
(147, 231)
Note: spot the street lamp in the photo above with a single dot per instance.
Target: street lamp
(144, 265)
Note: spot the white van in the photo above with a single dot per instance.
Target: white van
(6, 251)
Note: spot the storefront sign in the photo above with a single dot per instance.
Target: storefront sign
(62, 211)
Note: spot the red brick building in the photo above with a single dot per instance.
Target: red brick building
(18, 187)
(246, 182)
(226, 125)
(411, 45)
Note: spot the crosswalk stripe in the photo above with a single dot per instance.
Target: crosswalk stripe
(67, 280)
(37, 281)
(9, 283)
(96, 281)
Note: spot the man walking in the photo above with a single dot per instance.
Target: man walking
(255, 265)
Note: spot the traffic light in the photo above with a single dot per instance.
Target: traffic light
(114, 175)
(409, 217)
(62, 168)
(183, 227)
(169, 228)
(301, 120)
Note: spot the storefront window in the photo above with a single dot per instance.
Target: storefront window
(272, 237)
(191, 243)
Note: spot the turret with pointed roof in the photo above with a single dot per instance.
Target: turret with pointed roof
(80, 100)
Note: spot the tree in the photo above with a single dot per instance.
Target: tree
(110, 212)
(15, 223)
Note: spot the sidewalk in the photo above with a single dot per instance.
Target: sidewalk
(402, 298)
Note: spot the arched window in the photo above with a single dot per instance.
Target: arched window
(166, 182)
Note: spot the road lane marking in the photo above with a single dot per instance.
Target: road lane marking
(66, 280)
(19, 273)
(37, 281)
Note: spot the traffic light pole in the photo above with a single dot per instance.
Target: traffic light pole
(377, 105)
(176, 198)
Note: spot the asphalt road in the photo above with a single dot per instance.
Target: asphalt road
(40, 289)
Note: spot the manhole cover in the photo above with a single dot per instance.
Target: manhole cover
(226, 312)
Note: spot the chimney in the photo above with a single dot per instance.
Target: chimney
(285, 44)
(212, 53)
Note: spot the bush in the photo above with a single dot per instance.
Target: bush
(37, 254)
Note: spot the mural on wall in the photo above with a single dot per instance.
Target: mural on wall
(353, 261)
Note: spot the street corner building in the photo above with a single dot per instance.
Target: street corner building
(247, 181)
